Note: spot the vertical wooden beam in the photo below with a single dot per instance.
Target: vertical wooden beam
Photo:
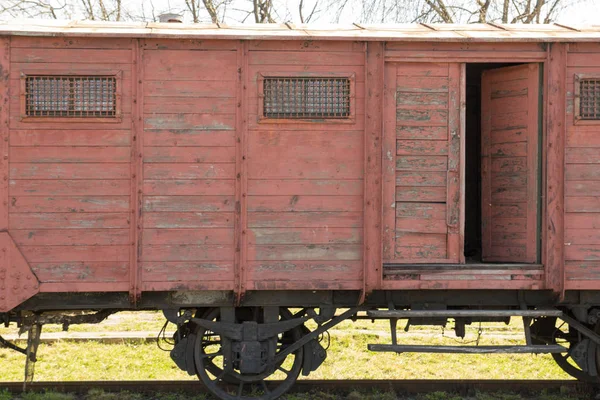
(5, 267)
(4, 128)
(388, 202)
(463, 160)
(137, 149)
(486, 165)
(455, 155)
(555, 167)
(372, 246)
(241, 178)
(533, 169)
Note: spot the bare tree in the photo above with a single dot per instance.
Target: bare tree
(306, 19)
(35, 9)
(213, 9)
(95, 10)
(303, 11)
(263, 11)
(194, 8)
(452, 11)
(103, 10)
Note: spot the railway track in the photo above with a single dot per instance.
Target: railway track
(465, 387)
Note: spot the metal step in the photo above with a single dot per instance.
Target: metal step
(404, 314)
(405, 348)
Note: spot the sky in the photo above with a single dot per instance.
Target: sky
(582, 14)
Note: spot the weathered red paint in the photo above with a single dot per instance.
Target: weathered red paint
(193, 189)
(241, 174)
(576, 216)
(510, 168)
(372, 251)
(5, 44)
(136, 170)
(18, 283)
(425, 121)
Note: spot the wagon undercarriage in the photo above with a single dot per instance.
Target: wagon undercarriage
(259, 352)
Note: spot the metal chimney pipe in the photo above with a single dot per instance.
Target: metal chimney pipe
(169, 17)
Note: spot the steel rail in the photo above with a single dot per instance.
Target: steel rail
(307, 385)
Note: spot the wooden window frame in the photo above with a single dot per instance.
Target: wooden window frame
(577, 119)
(350, 119)
(118, 117)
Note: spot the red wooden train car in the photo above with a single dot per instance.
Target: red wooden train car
(249, 179)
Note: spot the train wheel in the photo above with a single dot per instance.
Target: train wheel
(230, 383)
(581, 351)
(211, 343)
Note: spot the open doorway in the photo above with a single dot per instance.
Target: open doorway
(502, 163)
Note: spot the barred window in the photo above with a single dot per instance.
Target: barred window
(589, 99)
(71, 96)
(306, 97)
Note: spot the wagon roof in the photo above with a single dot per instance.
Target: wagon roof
(396, 32)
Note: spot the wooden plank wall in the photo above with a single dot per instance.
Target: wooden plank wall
(206, 158)
(419, 169)
(582, 179)
(510, 170)
(305, 180)
(553, 176)
(426, 158)
(189, 118)
(69, 183)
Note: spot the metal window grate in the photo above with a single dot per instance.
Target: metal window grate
(71, 96)
(589, 99)
(300, 97)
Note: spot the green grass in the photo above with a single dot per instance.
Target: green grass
(5, 395)
(348, 357)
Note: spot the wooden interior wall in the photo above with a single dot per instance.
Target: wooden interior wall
(69, 183)
(305, 180)
(582, 179)
(189, 131)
